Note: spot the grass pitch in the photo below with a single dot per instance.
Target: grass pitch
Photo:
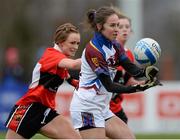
(138, 136)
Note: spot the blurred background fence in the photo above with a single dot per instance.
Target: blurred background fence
(27, 27)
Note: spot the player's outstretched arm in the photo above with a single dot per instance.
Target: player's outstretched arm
(119, 88)
(113, 86)
(70, 63)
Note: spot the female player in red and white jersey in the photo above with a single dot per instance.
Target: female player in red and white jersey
(35, 111)
(121, 76)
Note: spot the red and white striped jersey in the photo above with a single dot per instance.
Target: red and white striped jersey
(46, 79)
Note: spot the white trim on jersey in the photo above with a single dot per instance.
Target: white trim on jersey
(35, 76)
(56, 47)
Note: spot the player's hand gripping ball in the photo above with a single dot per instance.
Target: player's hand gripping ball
(147, 52)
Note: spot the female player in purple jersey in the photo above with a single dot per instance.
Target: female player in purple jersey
(90, 103)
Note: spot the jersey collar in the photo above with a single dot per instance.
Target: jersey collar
(56, 47)
(102, 40)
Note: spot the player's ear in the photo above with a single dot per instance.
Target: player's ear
(99, 26)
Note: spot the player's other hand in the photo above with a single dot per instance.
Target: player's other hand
(147, 85)
(151, 72)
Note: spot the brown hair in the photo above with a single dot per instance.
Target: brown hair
(100, 16)
(63, 31)
(125, 17)
(122, 16)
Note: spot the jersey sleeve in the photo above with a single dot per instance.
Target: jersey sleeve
(130, 55)
(121, 51)
(50, 60)
(96, 60)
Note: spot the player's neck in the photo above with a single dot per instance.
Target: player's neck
(123, 42)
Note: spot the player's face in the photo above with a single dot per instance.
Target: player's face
(71, 44)
(124, 30)
(111, 27)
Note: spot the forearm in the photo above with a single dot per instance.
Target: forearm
(70, 63)
(115, 87)
(132, 69)
(77, 64)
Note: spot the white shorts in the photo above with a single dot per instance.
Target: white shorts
(88, 120)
